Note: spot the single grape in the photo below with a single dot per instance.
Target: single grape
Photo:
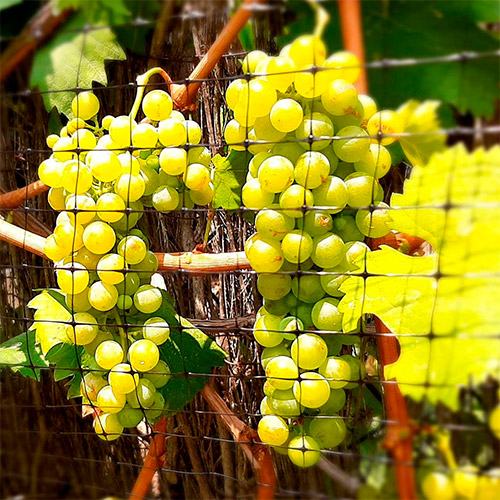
(110, 401)
(157, 330)
(173, 161)
(254, 196)
(335, 402)
(156, 409)
(309, 82)
(265, 131)
(465, 481)
(108, 427)
(307, 49)
(285, 407)
(331, 195)
(304, 451)
(357, 370)
(69, 236)
(313, 129)
(56, 198)
(258, 96)
(280, 72)
(494, 421)
(343, 65)
(130, 187)
(76, 177)
(382, 123)
(165, 199)
(265, 256)
(129, 285)
(99, 237)
(297, 246)
(303, 312)
(290, 326)
(159, 375)
(90, 386)
(145, 136)
(276, 174)
(79, 302)
(355, 145)
(103, 296)
(251, 60)
(273, 286)
(286, 115)
(274, 224)
(72, 278)
(264, 408)
(437, 486)
(362, 190)
(328, 432)
(309, 351)
(290, 150)
(120, 131)
(143, 355)
(337, 371)
(84, 330)
(64, 149)
(295, 200)
(157, 105)
(147, 267)
(307, 288)
(148, 299)
(50, 173)
(111, 269)
(316, 222)
(312, 390)
(267, 330)
(53, 251)
(268, 353)
(325, 315)
(122, 380)
(374, 223)
(172, 133)
(130, 417)
(196, 177)
(143, 396)
(235, 135)
(282, 372)
(312, 169)
(151, 179)
(339, 96)
(85, 105)
(108, 354)
(110, 207)
(376, 162)
(369, 108)
(124, 302)
(133, 249)
(345, 226)
(273, 430)
(328, 250)
(199, 155)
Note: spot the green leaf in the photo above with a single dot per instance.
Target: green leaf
(73, 386)
(67, 359)
(22, 355)
(229, 177)
(73, 59)
(190, 355)
(5, 4)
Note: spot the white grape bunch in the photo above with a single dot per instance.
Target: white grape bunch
(318, 151)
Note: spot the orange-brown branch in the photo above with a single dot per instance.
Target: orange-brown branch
(352, 36)
(184, 95)
(155, 459)
(257, 454)
(41, 27)
(14, 199)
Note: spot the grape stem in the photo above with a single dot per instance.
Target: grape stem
(444, 446)
(322, 17)
(121, 331)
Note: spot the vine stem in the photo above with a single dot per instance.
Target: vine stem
(16, 198)
(192, 262)
(155, 459)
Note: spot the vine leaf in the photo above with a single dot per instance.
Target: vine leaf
(454, 205)
(229, 177)
(74, 58)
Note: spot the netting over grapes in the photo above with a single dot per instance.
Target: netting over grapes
(280, 279)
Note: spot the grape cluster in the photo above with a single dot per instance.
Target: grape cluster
(319, 150)
(101, 177)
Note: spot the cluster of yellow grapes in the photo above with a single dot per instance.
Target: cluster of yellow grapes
(319, 150)
(101, 177)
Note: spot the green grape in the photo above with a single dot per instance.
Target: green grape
(273, 286)
(297, 246)
(331, 195)
(307, 49)
(111, 269)
(76, 177)
(271, 392)
(374, 223)
(489, 485)
(143, 355)
(326, 316)
(312, 390)
(127, 223)
(290, 150)
(122, 380)
(437, 486)
(345, 226)
(145, 136)
(90, 386)
(307, 288)
(304, 451)
(64, 149)
(277, 307)
(335, 403)
(172, 133)
(312, 169)
(157, 105)
(156, 409)
(314, 126)
(51, 140)
(56, 198)
(337, 371)
(264, 131)
(233, 92)
(110, 207)
(273, 430)
(108, 354)
(53, 251)
(85, 329)
(133, 249)
(354, 147)
(130, 187)
(352, 118)
(268, 353)
(264, 408)
(384, 122)
(295, 199)
(376, 162)
(281, 372)
(235, 135)
(265, 256)
(84, 139)
(143, 396)
(369, 108)
(157, 330)
(328, 250)
(267, 330)
(151, 179)
(72, 278)
(148, 299)
(244, 116)
(50, 173)
(129, 285)
(165, 199)
(256, 162)
(309, 351)
(254, 196)
(99, 237)
(494, 421)
(199, 155)
(251, 60)
(362, 191)
(159, 375)
(303, 312)
(87, 258)
(108, 427)
(328, 432)
(344, 170)
(276, 174)
(258, 96)
(303, 266)
(177, 115)
(310, 83)
(339, 96)
(357, 370)
(344, 65)
(465, 481)
(196, 177)
(286, 115)
(68, 236)
(273, 224)
(124, 302)
(103, 296)
(121, 129)
(290, 326)
(316, 223)
(147, 267)
(285, 407)
(85, 105)
(280, 72)
(130, 417)
(173, 161)
(79, 302)
(110, 401)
